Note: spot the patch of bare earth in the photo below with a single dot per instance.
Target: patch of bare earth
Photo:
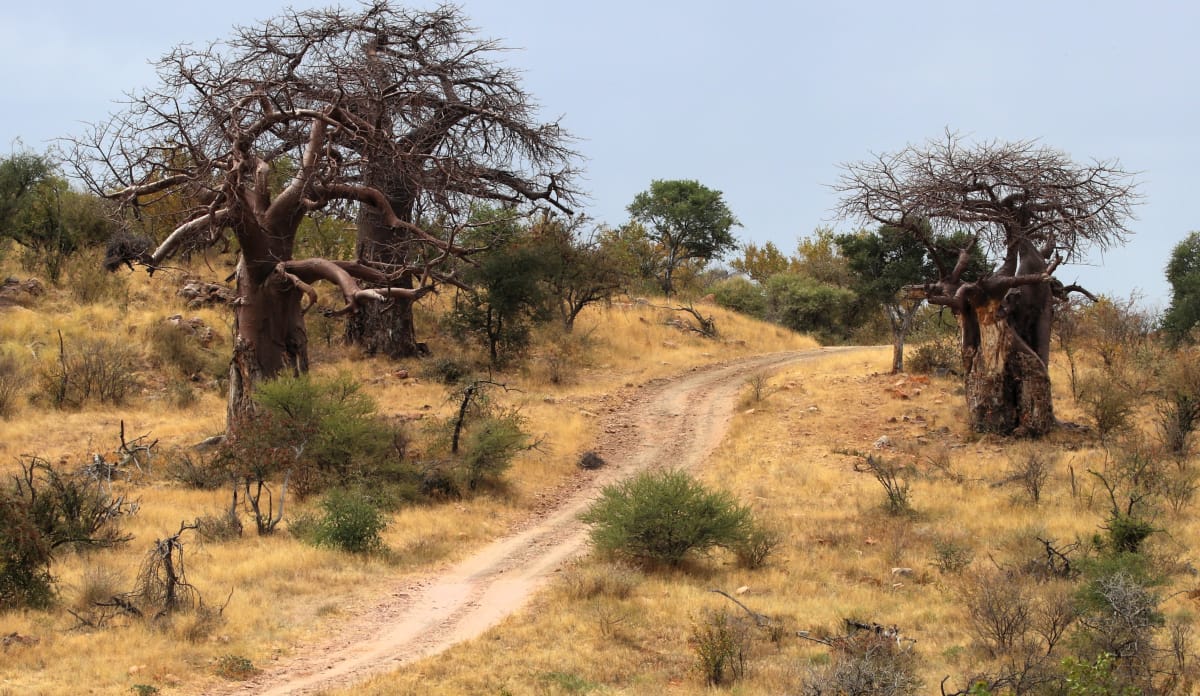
(672, 422)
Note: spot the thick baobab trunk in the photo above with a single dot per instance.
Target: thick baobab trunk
(386, 328)
(1007, 383)
(269, 337)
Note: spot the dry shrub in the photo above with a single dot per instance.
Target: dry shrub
(1000, 611)
(1109, 404)
(99, 585)
(92, 284)
(893, 476)
(591, 580)
(952, 556)
(721, 643)
(13, 379)
(220, 526)
(1030, 472)
(866, 665)
(234, 668)
(941, 356)
(91, 370)
(180, 346)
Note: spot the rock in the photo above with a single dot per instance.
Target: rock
(884, 442)
(199, 294)
(902, 572)
(15, 638)
(590, 460)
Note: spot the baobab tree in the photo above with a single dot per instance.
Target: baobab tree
(1030, 208)
(398, 117)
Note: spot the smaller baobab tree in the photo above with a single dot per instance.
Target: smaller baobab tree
(1029, 208)
(318, 112)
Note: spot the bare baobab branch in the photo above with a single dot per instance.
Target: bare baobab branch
(1029, 207)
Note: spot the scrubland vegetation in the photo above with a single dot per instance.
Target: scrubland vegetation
(847, 497)
(909, 551)
(1012, 515)
(376, 434)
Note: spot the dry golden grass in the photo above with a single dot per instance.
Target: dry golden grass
(788, 458)
(277, 592)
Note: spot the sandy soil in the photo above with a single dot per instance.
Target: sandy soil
(673, 422)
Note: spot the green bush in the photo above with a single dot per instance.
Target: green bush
(490, 445)
(662, 517)
(325, 431)
(758, 544)
(741, 295)
(806, 305)
(70, 509)
(349, 523)
(446, 369)
(1119, 616)
(1095, 678)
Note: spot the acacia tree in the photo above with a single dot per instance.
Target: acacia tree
(687, 220)
(42, 213)
(579, 269)
(884, 262)
(1183, 273)
(1030, 208)
(320, 111)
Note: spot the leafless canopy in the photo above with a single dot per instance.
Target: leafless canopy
(405, 111)
(1006, 195)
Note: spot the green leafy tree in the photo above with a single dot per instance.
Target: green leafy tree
(1183, 273)
(886, 260)
(41, 213)
(577, 270)
(687, 220)
(506, 297)
(883, 262)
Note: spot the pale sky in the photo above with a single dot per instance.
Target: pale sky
(760, 100)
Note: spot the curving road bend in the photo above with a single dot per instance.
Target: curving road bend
(674, 422)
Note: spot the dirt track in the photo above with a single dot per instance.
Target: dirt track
(674, 422)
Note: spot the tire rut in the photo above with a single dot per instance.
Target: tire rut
(675, 422)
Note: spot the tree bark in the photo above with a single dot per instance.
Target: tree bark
(900, 318)
(1007, 384)
(269, 337)
(385, 328)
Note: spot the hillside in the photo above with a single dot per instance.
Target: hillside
(971, 527)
